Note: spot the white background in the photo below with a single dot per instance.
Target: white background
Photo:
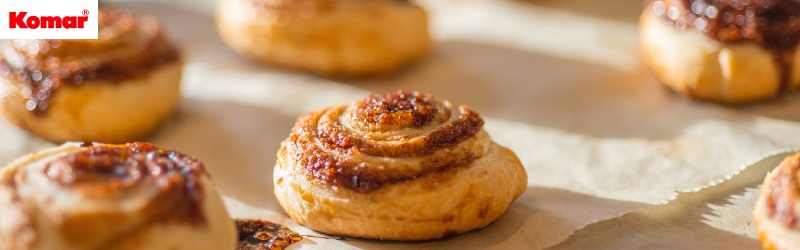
(49, 8)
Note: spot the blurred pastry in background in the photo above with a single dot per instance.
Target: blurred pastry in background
(115, 89)
(399, 166)
(726, 51)
(101, 196)
(340, 38)
(777, 211)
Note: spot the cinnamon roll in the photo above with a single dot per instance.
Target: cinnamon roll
(400, 166)
(726, 51)
(777, 214)
(329, 37)
(100, 196)
(114, 89)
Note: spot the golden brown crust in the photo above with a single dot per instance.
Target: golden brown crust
(334, 38)
(109, 197)
(58, 89)
(400, 166)
(766, 243)
(717, 66)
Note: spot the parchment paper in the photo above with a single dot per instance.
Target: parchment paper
(559, 82)
(718, 217)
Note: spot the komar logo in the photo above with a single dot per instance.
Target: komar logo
(48, 19)
(18, 20)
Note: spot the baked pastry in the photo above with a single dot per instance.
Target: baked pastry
(726, 51)
(777, 214)
(328, 37)
(114, 89)
(100, 196)
(400, 166)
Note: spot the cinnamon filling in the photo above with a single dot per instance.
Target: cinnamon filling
(327, 144)
(101, 172)
(129, 47)
(772, 24)
(395, 110)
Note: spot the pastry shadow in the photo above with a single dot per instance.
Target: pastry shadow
(195, 34)
(563, 94)
(541, 217)
(783, 108)
(508, 83)
(616, 10)
(15, 142)
(662, 228)
(687, 221)
(236, 142)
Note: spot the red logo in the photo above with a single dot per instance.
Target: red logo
(46, 22)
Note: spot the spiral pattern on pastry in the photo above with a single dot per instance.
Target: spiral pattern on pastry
(133, 196)
(114, 89)
(399, 153)
(357, 146)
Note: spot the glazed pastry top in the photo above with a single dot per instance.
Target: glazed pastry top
(113, 172)
(129, 46)
(385, 139)
(94, 194)
(772, 23)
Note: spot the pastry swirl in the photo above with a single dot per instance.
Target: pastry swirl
(133, 196)
(383, 159)
(355, 146)
(75, 90)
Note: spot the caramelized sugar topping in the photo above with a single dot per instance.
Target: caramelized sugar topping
(397, 110)
(385, 139)
(264, 235)
(105, 171)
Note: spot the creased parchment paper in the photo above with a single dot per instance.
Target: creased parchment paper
(718, 217)
(559, 82)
